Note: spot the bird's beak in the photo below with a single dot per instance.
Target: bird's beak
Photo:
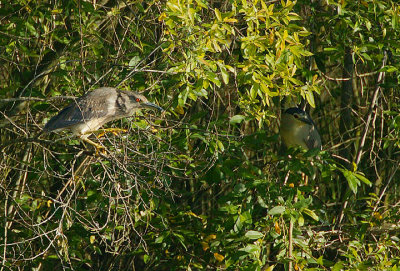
(151, 105)
(305, 119)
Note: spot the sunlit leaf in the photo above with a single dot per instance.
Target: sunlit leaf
(237, 119)
(363, 179)
(218, 257)
(254, 235)
(277, 210)
(310, 98)
(311, 214)
(218, 14)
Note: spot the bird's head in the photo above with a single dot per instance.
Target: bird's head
(138, 101)
(296, 116)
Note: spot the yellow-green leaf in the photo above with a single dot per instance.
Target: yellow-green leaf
(218, 14)
(311, 214)
(310, 98)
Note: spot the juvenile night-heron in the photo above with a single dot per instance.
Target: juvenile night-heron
(94, 109)
(298, 129)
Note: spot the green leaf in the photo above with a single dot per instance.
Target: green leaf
(218, 14)
(238, 223)
(300, 220)
(201, 3)
(310, 98)
(31, 29)
(225, 74)
(295, 81)
(311, 214)
(363, 179)
(277, 210)
(220, 145)
(159, 239)
(351, 180)
(134, 61)
(366, 56)
(306, 53)
(254, 235)
(250, 248)
(199, 136)
(213, 78)
(181, 239)
(330, 49)
(354, 178)
(239, 188)
(91, 192)
(236, 119)
(388, 69)
(338, 266)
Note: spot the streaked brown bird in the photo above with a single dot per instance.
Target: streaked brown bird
(94, 109)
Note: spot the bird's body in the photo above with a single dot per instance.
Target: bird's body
(91, 111)
(298, 129)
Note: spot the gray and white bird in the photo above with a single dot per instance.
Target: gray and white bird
(94, 109)
(298, 129)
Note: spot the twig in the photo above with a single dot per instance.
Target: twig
(290, 246)
(348, 78)
(386, 186)
(5, 231)
(381, 78)
(35, 99)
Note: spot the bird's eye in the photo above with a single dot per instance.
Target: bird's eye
(296, 116)
(138, 100)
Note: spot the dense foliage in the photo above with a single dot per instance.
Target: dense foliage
(206, 185)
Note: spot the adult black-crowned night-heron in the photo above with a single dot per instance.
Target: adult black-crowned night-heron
(91, 111)
(298, 129)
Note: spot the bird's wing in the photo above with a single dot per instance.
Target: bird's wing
(84, 109)
(313, 139)
(61, 120)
